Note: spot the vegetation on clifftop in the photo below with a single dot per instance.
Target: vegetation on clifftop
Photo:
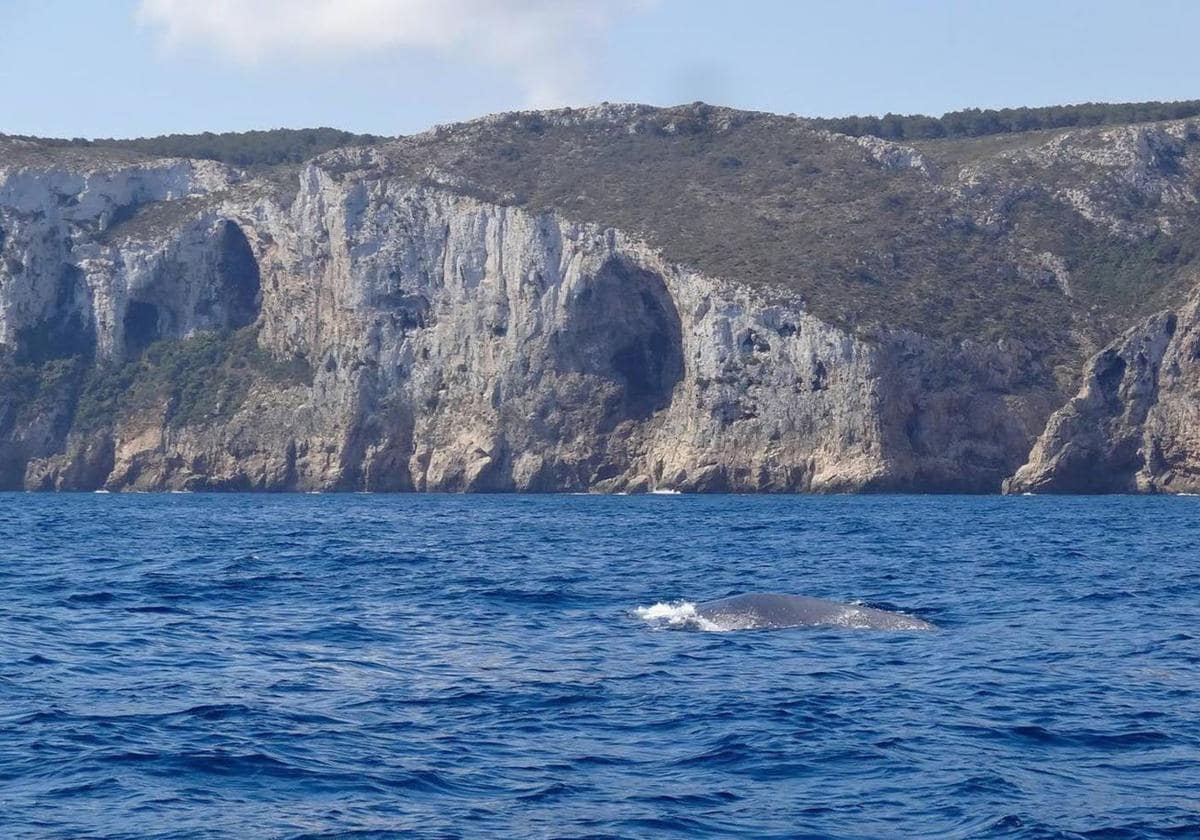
(296, 145)
(242, 148)
(976, 122)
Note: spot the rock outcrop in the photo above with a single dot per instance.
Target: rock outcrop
(1135, 424)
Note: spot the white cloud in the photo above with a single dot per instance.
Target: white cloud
(546, 45)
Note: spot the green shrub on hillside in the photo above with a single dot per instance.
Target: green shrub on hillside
(976, 122)
(242, 148)
(200, 379)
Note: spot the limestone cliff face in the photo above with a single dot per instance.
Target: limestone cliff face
(55, 276)
(1135, 424)
(453, 343)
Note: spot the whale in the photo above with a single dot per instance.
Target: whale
(772, 611)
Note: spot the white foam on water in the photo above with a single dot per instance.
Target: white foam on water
(665, 491)
(680, 615)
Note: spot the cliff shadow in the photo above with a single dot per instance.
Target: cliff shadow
(229, 295)
(623, 327)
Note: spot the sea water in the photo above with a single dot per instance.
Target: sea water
(444, 666)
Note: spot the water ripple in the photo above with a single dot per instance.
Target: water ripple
(382, 666)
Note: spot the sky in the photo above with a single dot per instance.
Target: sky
(126, 68)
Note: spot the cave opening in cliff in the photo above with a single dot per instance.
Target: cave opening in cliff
(238, 275)
(625, 328)
(141, 326)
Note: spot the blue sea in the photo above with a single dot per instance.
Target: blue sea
(448, 666)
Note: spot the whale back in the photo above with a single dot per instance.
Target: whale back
(765, 611)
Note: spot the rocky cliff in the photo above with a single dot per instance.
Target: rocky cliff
(488, 307)
(1134, 426)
